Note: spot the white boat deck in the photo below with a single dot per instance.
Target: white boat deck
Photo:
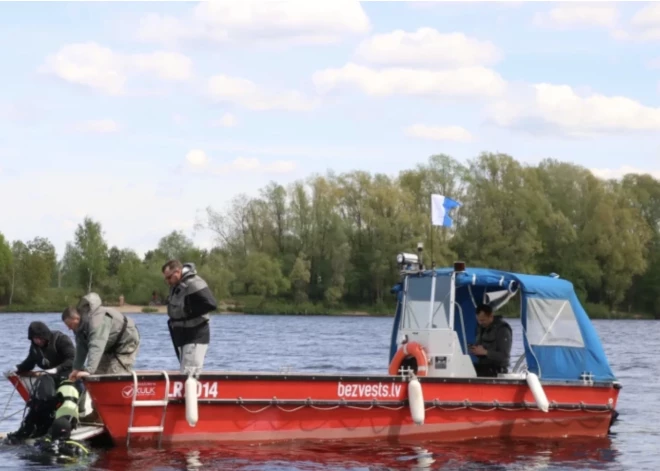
(83, 432)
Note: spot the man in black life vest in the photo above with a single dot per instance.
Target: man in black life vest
(493, 344)
(189, 305)
(50, 350)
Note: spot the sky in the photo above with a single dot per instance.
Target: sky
(142, 115)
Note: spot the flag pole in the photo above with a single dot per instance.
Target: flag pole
(432, 256)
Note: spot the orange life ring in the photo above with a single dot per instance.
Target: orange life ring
(406, 350)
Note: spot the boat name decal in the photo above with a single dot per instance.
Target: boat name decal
(379, 390)
(205, 389)
(144, 389)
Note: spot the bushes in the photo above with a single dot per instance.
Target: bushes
(260, 305)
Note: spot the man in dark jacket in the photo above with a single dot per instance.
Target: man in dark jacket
(493, 344)
(50, 350)
(188, 306)
(53, 352)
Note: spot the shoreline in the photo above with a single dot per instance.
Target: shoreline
(225, 309)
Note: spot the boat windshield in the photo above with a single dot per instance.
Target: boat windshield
(418, 312)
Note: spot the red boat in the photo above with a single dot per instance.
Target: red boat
(562, 386)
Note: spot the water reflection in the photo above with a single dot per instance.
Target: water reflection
(482, 455)
(192, 460)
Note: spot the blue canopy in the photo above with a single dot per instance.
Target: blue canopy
(559, 339)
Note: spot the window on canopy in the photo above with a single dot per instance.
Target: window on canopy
(552, 322)
(417, 311)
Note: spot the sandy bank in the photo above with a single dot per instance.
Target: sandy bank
(134, 308)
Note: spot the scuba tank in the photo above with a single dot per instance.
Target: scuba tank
(67, 402)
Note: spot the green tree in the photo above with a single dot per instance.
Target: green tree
(90, 253)
(114, 260)
(176, 245)
(644, 294)
(299, 278)
(503, 212)
(262, 275)
(217, 275)
(18, 272)
(333, 238)
(40, 264)
(6, 267)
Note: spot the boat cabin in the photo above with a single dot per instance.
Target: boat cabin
(436, 309)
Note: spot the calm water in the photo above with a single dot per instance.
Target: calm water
(360, 345)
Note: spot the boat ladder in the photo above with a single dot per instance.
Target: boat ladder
(159, 429)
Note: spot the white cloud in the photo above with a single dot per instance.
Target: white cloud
(246, 93)
(653, 63)
(427, 47)
(559, 109)
(647, 18)
(101, 126)
(88, 64)
(616, 173)
(227, 120)
(165, 65)
(92, 65)
(438, 133)
(464, 82)
(643, 26)
(197, 158)
(297, 21)
(576, 15)
(198, 161)
(254, 165)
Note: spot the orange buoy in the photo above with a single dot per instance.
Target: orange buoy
(406, 350)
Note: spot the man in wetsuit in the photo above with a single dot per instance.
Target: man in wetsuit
(493, 344)
(58, 442)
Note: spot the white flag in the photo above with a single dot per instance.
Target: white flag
(440, 207)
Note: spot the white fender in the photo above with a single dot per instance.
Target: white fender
(191, 401)
(416, 401)
(537, 390)
(87, 406)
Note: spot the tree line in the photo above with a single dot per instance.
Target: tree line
(329, 242)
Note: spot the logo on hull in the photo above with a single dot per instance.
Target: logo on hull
(143, 390)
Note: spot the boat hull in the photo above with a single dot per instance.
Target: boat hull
(266, 408)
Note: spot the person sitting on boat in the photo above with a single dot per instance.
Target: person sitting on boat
(50, 350)
(189, 304)
(493, 344)
(58, 442)
(105, 337)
